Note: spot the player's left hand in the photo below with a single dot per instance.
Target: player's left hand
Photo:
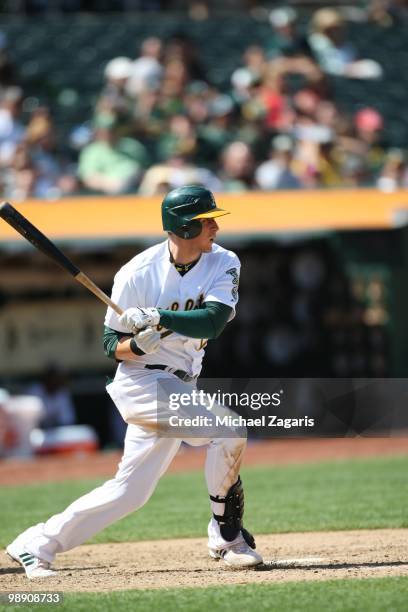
(135, 319)
(148, 340)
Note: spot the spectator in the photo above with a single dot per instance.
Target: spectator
(147, 70)
(54, 178)
(276, 173)
(369, 125)
(52, 390)
(11, 128)
(115, 96)
(334, 53)
(255, 60)
(394, 174)
(117, 71)
(170, 97)
(326, 113)
(180, 138)
(111, 164)
(149, 121)
(276, 91)
(237, 167)
(387, 13)
(197, 97)
(286, 40)
(272, 96)
(20, 178)
(218, 130)
(364, 143)
(243, 80)
(315, 160)
(378, 13)
(176, 171)
(181, 47)
(175, 79)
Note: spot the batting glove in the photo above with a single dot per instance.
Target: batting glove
(135, 319)
(148, 340)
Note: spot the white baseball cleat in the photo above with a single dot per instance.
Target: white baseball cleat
(237, 555)
(33, 566)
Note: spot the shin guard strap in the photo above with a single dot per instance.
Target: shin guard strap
(231, 521)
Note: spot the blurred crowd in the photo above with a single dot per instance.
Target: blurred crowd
(159, 121)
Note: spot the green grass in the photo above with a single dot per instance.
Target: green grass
(369, 493)
(369, 595)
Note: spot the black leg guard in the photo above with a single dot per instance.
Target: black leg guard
(231, 521)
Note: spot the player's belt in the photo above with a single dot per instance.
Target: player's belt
(179, 373)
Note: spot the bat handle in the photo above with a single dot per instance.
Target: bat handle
(86, 282)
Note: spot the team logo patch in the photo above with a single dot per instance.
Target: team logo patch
(235, 282)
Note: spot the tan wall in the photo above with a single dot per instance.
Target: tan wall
(132, 216)
(66, 332)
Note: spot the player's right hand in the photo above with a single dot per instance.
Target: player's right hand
(148, 340)
(135, 319)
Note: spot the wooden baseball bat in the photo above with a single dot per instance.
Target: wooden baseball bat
(44, 244)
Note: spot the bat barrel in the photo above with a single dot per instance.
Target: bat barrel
(37, 238)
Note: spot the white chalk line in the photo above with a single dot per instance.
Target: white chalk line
(296, 562)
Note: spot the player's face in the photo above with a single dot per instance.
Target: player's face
(206, 238)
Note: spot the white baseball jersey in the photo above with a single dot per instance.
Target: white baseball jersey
(151, 280)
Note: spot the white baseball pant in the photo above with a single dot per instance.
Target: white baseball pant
(146, 457)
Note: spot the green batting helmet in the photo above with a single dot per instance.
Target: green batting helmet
(183, 208)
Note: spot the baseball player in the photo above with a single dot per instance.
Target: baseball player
(176, 295)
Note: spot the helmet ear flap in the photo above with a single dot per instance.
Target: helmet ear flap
(184, 232)
(189, 230)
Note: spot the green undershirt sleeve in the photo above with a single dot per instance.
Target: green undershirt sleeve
(206, 322)
(111, 338)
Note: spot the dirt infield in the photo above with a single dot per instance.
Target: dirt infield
(184, 562)
(271, 452)
(171, 563)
